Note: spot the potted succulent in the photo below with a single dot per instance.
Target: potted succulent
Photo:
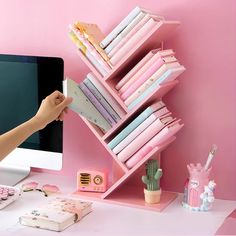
(152, 179)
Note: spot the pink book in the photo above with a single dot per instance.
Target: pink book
(91, 49)
(140, 72)
(137, 27)
(166, 133)
(146, 75)
(86, 53)
(144, 137)
(150, 81)
(125, 142)
(133, 41)
(141, 63)
(124, 32)
(137, 67)
(96, 64)
(135, 123)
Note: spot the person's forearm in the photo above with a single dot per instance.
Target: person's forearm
(12, 139)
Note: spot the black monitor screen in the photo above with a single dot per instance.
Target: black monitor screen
(24, 82)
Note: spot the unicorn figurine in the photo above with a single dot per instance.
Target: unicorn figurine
(208, 196)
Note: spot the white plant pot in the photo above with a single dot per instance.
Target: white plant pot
(152, 197)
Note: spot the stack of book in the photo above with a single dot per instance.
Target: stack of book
(128, 33)
(156, 68)
(87, 38)
(152, 128)
(92, 101)
(106, 52)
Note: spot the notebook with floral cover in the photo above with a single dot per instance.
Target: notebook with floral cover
(58, 214)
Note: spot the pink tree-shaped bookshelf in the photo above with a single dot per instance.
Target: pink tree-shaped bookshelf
(122, 190)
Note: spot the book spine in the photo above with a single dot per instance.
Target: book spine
(96, 64)
(86, 53)
(106, 95)
(94, 35)
(120, 27)
(176, 72)
(157, 54)
(135, 123)
(172, 73)
(101, 99)
(138, 142)
(129, 36)
(91, 49)
(100, 50)
(97, 104)
(77, 42)
(134, 133)
(166, 52)
(159, 138)
(157, 106)
(139, 73)
(156, 141)
(128, 129)
(133, 41)
(123, 33)
(149, 82)
(97, 56)
(134, 70)
(143, 78)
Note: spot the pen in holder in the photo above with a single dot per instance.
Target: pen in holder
(199, 191)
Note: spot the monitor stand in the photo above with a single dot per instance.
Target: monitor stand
(11, 175)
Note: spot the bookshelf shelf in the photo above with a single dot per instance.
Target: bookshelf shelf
(156, 95)
(131, 197)
(130, 172)
(121, 190)
(153, 39)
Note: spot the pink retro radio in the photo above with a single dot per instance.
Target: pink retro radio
(92, 180)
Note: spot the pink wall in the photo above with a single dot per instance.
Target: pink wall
(204, 99)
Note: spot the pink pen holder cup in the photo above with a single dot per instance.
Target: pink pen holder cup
(198, 191)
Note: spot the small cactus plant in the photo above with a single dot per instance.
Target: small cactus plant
(153, 175)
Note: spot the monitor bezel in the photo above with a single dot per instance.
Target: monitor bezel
(13, 159)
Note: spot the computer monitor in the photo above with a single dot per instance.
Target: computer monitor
(24, 82)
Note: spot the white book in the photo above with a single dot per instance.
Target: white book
(120, 26)
(82, 105)
(57, 215)
(96, 64)
(123, 33)
(131, 34)
(133, 41)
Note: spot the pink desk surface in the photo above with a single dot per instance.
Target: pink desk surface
(112, 219)
(229, 225)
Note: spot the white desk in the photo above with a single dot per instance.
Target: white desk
(107, 219)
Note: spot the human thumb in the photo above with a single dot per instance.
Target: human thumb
(65, 102)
